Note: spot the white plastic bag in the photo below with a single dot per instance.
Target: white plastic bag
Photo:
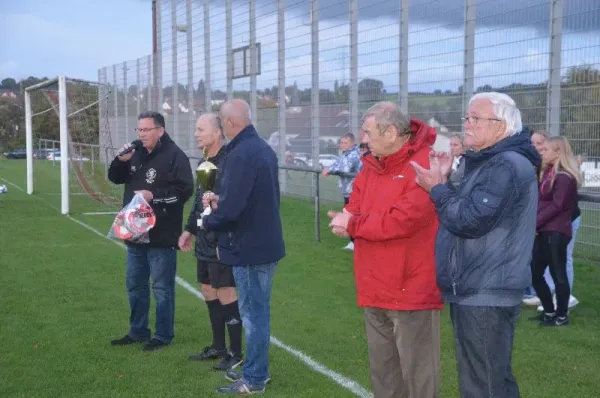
(134, 222)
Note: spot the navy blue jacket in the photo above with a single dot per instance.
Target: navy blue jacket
(487, 225)
(248, 209)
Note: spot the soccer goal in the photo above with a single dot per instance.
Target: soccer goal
(69, 145)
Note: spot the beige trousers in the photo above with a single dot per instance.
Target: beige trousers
(404, 353)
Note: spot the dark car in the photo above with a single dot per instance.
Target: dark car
(19, 153)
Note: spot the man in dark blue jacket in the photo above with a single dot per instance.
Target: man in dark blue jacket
(485, 241)
(160, 171)
(246, 215)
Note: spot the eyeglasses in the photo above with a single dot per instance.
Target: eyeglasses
(474, 120)
(145, 130)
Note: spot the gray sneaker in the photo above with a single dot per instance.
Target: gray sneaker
(234, 376)
(240, 387)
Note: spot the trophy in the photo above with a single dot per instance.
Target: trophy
(206, 174)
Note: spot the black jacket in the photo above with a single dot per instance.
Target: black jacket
(206, 241)
(247, 217)
(166, 172)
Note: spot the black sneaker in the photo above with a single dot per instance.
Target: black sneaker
(209, 353)
(543, 317)
(556, 321)
(230, 362)
(154, 344)
(126, 340)
(234, 376)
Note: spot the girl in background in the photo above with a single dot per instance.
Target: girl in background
(559, 180)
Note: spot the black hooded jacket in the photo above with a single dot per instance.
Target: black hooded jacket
(166, 172)
(206, 241)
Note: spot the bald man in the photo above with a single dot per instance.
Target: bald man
(215, 278)
(246, 212)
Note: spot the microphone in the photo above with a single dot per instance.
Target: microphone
(137, 144)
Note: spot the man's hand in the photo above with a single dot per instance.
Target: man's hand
(147, 195)
(185, 241)
(325, 172)
(427, 179)
(127, 156)
(445, 161)
(339, 222)
(211, 199)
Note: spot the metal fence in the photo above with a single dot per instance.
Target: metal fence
(309, 68)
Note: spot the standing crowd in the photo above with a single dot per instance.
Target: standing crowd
(477, 228)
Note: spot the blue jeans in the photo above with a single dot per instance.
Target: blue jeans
(484, 343)
(530, 291)
(254, 300)
(160, 265)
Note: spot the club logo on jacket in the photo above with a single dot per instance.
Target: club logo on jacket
(132, 169)
(150, 176)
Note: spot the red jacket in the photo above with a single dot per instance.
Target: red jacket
(394, 225)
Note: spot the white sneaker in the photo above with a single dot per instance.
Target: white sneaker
(572, 303)
(349, 246)
(533, 301)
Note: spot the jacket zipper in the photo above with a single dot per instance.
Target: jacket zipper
(455, 268)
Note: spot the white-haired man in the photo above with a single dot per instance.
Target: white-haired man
(485, 240)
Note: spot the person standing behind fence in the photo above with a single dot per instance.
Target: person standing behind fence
(559, 179)
(484, 243)
(538, 139)
(246, 213)
(161, 172)
(394, 225)
(348, 162)
(216, 279)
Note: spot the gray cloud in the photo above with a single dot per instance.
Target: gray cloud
(578, 15)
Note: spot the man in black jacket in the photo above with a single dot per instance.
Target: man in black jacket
(246, 215)
(161, 173)
(216, 279)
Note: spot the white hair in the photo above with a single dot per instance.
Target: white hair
(505, 109)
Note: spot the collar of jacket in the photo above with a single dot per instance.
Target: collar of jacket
(422, 136)
(160, 144)
(248, 132)
(351, 149)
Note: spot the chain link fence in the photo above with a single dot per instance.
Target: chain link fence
(309, 68)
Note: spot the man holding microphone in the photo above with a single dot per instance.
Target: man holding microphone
(160, 171)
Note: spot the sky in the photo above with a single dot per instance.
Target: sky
(512, 44)
(71, 37)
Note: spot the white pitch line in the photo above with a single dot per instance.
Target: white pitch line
(343, 381)
(318, 367)
(99, 213)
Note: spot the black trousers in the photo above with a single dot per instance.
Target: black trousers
(550, 249)
(346, 201)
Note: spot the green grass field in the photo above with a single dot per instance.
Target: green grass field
(64, 299)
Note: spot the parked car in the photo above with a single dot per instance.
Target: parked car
(325, 160)
(56, 157)
(18, 153)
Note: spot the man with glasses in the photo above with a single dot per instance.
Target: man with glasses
(485, 240)
(160, 171)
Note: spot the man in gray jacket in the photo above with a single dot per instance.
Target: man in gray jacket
(485, 241)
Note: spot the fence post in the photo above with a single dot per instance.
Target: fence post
(317, 208)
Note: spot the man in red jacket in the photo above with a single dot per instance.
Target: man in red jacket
(394, 224)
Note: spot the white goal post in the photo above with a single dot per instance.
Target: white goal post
(75, 102)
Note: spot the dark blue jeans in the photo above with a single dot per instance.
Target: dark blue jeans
(158, 264)
(484, 343)
(254, 300)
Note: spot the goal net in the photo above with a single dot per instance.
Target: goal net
(69, 145)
